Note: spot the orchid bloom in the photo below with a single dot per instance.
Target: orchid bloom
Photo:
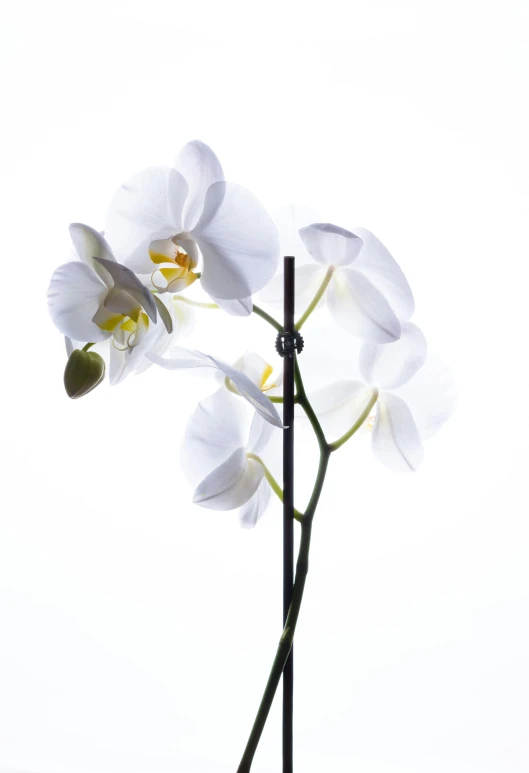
(171, 226)
(91, 297)
(366, 291)
(220, 457)
(260, 373)
(181, 358)
(95, 298)
(164, 217)
(414, 395)
(126, 359)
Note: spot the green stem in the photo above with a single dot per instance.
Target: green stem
(287, 637)
(302, 565)
(274, 485)
(358, 423)
(317, 298)
(304, 401)
(86, 347)
(198, 304)
(278, 399)
(267, 318)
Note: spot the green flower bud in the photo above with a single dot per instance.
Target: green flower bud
(83, 372)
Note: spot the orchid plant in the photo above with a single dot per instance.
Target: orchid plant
(122, 304)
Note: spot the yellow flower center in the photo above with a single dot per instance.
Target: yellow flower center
(267, 372)
(181, 258)
(177, 272)
(130, 332)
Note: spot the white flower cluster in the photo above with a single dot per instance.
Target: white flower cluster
(169, 227)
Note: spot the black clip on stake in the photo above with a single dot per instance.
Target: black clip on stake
(288, 343)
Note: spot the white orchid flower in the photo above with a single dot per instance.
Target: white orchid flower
(220, 457)
(91, 297)
(366, 291)
(95, 298)
(126, 360)
(160, 220)
(181, 358)
(414, 395)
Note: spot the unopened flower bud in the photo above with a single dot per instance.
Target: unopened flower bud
(83, 372)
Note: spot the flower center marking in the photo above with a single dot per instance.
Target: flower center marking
(177, 271)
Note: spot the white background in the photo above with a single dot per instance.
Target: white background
(136, 631)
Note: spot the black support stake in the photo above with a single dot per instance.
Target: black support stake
(288, 508)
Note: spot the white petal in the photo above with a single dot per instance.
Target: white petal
(188, 358)
(238, 308)
(395, 439)
(260, 433)
(89, 244)
(289, 220)
(431, 395)
(119, 360)
(126, 280)
(125, 360)
(238, 241)
(215, 429)
(388, 366)
(339, 405)
(231, 484)
(200, 167)
(331, 245)
(361, 309)
(255, 507)
(253, 366)
(184, 317)
(147, 207)
(165, 314)
(376, 263)
(116, 302)
(74, 296)
(250, 392)
(182, 358)
(307, 282)
(158, 340)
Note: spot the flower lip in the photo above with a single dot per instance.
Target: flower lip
(174, 258)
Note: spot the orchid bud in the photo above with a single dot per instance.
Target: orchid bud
(84, 371)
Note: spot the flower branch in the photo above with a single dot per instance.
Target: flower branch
(317, 298)
(358, 423)
(171, 221)
(274, 485)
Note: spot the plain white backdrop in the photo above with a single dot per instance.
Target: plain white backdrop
(136, 630)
